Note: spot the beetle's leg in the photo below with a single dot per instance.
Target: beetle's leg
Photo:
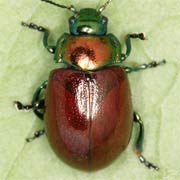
(139, 143)
(128, 38)
(21, 107)
(51, 49)
(37, 134)
(60, 48)
(152, 64)
(37, 104)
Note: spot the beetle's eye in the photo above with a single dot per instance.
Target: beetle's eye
(104, 20)
(72, 20)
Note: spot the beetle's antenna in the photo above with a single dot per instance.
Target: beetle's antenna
(103, 7)
(70, 8)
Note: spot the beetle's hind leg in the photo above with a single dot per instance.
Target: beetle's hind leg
(139, 142)
(37, 134)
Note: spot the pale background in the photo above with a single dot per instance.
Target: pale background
(156, 92)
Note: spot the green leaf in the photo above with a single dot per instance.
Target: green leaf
(155, 92)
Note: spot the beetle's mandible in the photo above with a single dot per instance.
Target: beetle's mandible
(87, 106)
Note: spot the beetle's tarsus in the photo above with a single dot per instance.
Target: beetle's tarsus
(138, 35)
(152, 64)
(37, 134)
(147, 163)
(33, 26)
(155, 63)
(20, 107)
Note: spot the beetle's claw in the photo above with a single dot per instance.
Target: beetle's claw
(162, 62)
(142, 36)
(24, 24)
(29, 139)
(151, 166)
(18, 105)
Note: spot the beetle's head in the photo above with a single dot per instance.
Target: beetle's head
(86, 21)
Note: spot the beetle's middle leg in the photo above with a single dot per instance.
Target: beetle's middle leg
(33, 26)
(152, 64)
(128, 38)
(139, 143)
(37, 104)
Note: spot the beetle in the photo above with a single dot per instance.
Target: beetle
(87, 105)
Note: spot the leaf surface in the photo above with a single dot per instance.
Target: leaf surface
(155, 92)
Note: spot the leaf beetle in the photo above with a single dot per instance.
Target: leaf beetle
(87, 106)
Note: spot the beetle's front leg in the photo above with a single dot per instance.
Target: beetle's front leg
(139, 143)
(128, 38)
(152, 64)
(51, 49)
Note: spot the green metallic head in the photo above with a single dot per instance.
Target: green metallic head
(86, 21)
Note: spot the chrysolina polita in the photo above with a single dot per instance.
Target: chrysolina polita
(87, 106)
